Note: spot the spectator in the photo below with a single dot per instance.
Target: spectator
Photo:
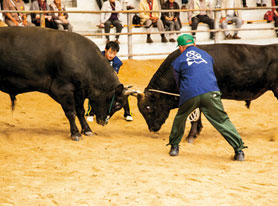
(261, 3)
(108, 19)
(15, 19)
(231, 15)
(171, 19)
(2, 23)
(275, 11)
(150, 19)
(110, 53)
(196, 17)
(60, 19)
(43, 6)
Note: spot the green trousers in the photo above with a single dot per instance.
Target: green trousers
(211, 106)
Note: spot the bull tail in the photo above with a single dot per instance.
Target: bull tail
(13, 99)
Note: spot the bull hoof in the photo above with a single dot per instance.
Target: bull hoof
(76, 138)
(190, 140)
(89, 133)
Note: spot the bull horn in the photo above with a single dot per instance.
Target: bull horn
(140, 96)
(128, 87)
(132, 93)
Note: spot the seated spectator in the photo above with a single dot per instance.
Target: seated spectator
(2, 23)
(15, 19)
(149, 19)
(60, 19)
(231, 15)
(196, 17)
(108, 19)
(275, 11)
(36, 18)
(171, 19)
(261, 3)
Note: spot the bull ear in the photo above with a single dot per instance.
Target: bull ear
(119, 89)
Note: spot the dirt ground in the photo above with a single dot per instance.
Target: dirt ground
(125, 164)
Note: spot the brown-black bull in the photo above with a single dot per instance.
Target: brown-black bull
(66, 66)
(244, 72)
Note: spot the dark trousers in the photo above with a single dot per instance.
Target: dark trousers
(276, 23)
(244, 3)
(115, 23)
(202, 18)
(48, 24)
(211, 106)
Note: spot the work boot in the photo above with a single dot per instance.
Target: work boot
(149, 40)
(129, 7)
(228, 36)
(236, 36)
(172, 40)
(239, 156)
(212, 37)
(163, 39)
(128, 118)
(174, 151)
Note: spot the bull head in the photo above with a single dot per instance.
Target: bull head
(154, 107)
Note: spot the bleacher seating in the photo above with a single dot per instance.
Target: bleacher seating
(87, 23)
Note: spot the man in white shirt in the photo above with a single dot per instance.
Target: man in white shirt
(231, 15)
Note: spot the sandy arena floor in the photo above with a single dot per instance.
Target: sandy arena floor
(125, 164)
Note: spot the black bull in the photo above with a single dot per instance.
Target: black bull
(66, 66)
(243, 72)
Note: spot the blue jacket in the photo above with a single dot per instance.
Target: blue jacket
(116, 63)
(194, 74)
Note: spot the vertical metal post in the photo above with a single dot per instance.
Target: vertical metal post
(129, 37)
(216, 26)
(42, 20)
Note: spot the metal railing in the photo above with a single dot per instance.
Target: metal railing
(129, 33)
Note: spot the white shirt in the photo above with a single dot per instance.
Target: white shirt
(1, 15)
(231, 5)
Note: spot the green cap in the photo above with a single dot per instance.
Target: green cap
(185, 39)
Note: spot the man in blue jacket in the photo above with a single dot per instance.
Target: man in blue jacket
(197, 84)
(110, 52)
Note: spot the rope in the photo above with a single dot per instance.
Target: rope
(158, 91)
(192, 117)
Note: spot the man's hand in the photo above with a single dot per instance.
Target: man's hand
(15, 22)
(154, 19)
(24, 22)
(222, 19)
(169, 18)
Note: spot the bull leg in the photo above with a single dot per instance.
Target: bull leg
(64, 96)
(79, 107)
(196, 128)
